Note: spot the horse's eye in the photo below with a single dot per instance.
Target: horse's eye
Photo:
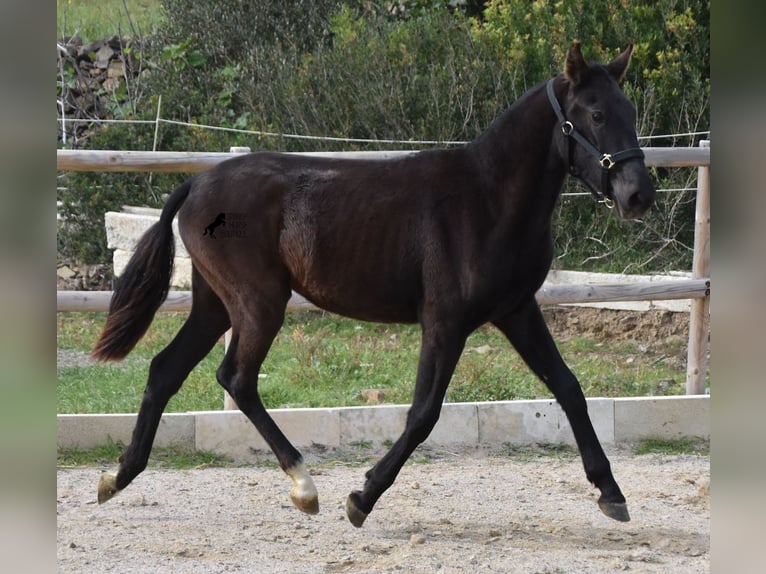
(598, 117)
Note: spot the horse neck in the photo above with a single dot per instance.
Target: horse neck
(517, 155)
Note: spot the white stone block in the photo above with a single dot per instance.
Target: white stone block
(231, 433)
(181, 278)
(90, 431)
(458, 425)
(519, 422)
(601, 413)
(123, 230)
(373, 424)
(639, 418)
(539, 421)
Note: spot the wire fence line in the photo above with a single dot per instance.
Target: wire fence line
(156, 122)
(64, 121)
(565, 194)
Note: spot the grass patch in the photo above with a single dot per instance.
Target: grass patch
(322, 360)
(673, 447)
(96, 19)
(170, 457)
(538, 450)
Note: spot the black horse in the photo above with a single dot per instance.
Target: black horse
(451, 239)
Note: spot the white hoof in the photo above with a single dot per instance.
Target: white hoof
(303, 494)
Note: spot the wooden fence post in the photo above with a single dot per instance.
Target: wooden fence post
(228, 402)
(699, 319)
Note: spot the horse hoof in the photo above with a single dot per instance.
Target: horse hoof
(304, 493)
(615, 510)
(356, 516)
(309, 505)
(107, 487)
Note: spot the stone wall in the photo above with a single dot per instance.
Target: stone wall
(125, 228)
(92, 78)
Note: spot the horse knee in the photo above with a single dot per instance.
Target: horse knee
(420, 424)
(569, 394)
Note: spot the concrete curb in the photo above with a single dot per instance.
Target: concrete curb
(229, 433)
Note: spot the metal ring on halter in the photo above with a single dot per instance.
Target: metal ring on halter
(609, 202)
(606, 161)
(567, 127)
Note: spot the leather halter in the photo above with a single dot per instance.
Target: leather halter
(606, 160)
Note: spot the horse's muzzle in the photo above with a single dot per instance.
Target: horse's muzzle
(634, 192)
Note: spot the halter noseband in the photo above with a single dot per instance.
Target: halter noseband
(606, 160)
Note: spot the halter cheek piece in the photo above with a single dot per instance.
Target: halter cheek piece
(606, 160)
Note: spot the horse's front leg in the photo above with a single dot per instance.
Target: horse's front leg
(528, 333)
(439, 353)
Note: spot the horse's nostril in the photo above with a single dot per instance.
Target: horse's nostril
(639, 200)
(638, 203)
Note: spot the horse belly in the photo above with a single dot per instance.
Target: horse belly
(360, 305)
(351, 276)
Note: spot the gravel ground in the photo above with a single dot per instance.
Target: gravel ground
(458, 512)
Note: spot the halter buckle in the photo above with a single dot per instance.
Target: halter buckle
(606, 161)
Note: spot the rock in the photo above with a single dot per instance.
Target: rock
(65, 272)
(115, 70)
(111, 84)
(94, 46)
(373, 396)
(417, 539)
(481, 350)
(103, 56)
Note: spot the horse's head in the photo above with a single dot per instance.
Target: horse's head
(601, 144)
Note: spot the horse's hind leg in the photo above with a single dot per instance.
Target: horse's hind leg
(206, 323)
(527, 331)
(253, 333)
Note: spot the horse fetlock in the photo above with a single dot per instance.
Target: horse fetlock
(107, 487)
(304, 494)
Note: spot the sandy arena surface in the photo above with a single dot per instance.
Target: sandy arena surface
(456, 513)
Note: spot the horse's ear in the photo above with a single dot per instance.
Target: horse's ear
(619, 65)
(575, 65)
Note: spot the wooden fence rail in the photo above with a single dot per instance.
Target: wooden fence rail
(547, 295)
(697, 289)
(191, 162)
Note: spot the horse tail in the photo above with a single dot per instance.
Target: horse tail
(143, 285)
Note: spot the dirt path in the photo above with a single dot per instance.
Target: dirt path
(472, 512)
